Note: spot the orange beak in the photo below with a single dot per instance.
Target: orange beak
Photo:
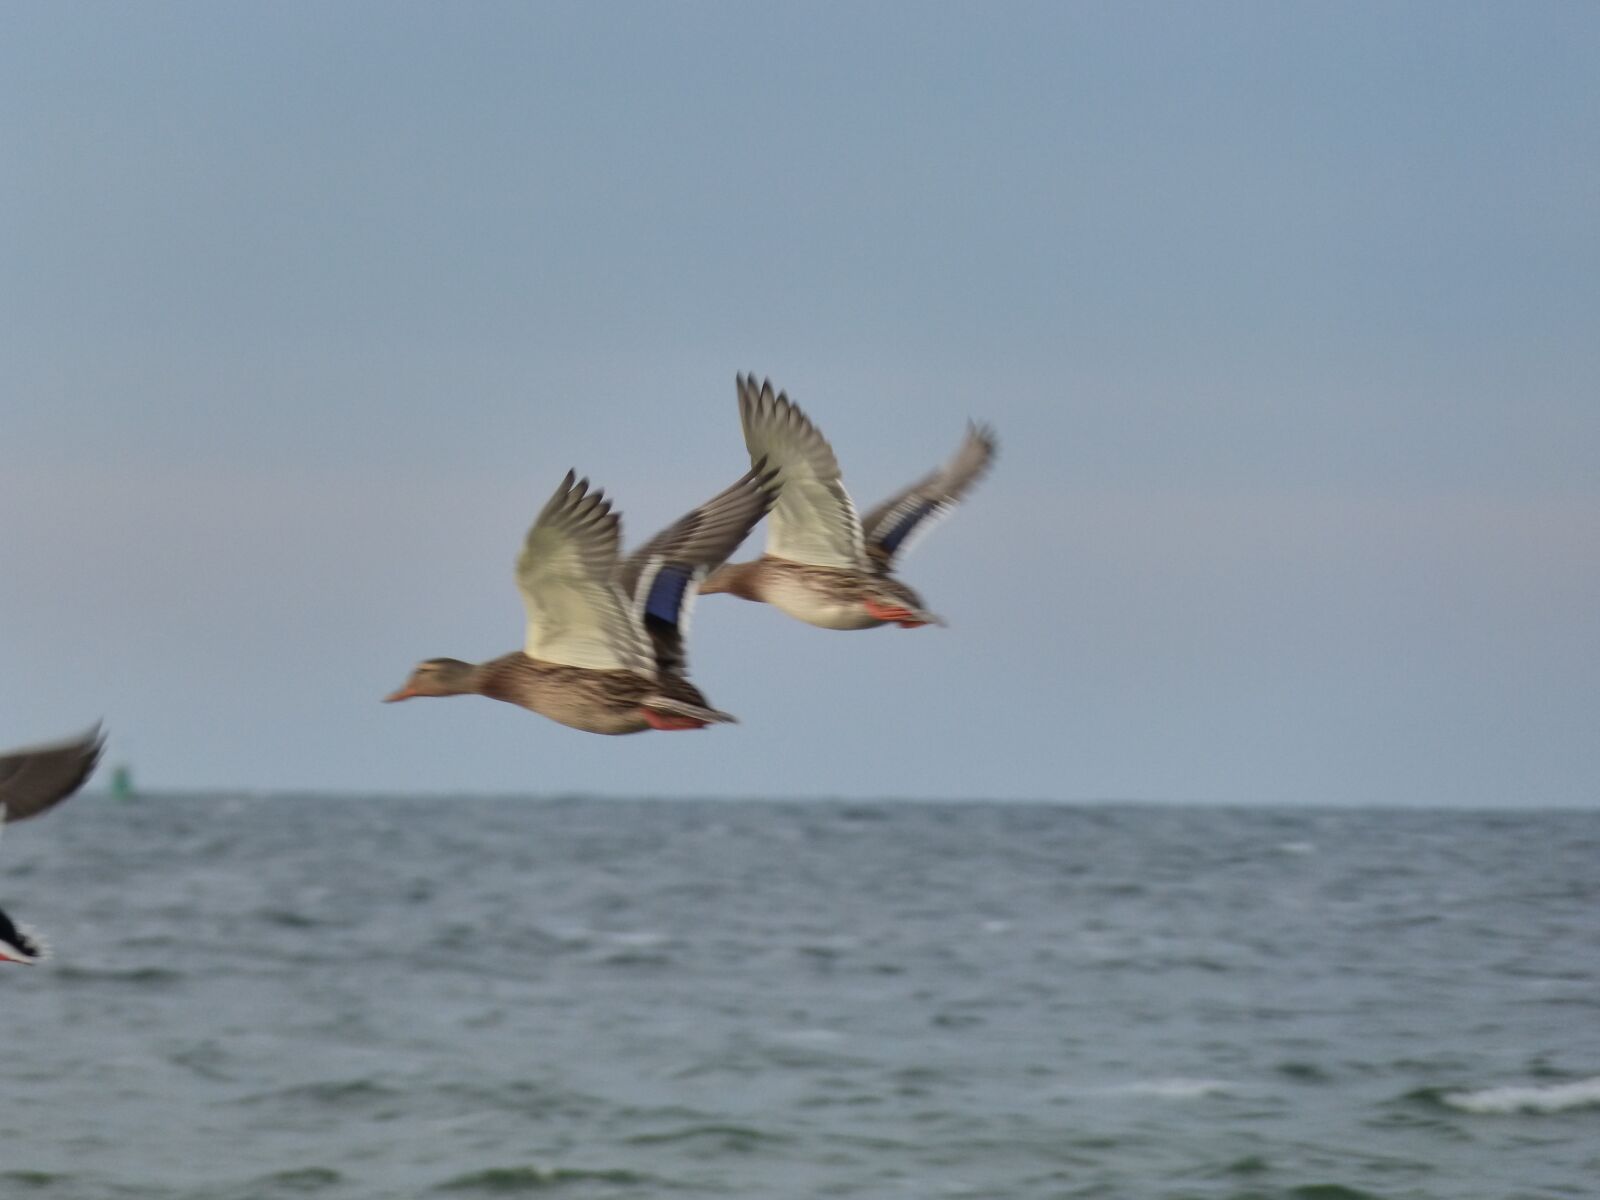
(404, 693)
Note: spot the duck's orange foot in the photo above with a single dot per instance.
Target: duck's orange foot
(661, 720)
(900, 615)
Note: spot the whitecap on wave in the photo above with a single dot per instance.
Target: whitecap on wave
(1174, 1088)
(1559, 1097)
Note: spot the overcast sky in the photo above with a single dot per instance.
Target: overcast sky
(1288, 317)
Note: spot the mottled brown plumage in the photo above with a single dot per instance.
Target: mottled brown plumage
(605, 646)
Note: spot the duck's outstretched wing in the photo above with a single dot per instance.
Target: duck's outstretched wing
(577, 615)
(662, 577)
(37, 778)
(892, 526)
(814, 520)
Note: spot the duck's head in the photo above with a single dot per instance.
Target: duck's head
(20, 945)
(437, 677)
(891, 600)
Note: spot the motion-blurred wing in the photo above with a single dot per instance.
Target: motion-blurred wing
(38, 778)
(890, 528)
(814, 520)
(577, 616)
(663, 576)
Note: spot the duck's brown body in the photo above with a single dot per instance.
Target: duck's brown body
(610, 702)
(595, 701)
(606, 637)
(829, 597)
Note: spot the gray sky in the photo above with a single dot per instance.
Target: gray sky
(1288, 317)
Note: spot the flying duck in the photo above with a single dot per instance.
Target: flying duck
(605, 648)
(823, 564)
(34, 780)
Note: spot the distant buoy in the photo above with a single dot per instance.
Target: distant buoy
(122, 782)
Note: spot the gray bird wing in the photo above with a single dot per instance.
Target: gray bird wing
(37, 778)
(662, 577)
(893, 525)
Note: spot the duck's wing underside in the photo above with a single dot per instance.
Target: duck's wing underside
(893, 526)
(37, 778)
(814, 520)
(662, 577)
(577, 615)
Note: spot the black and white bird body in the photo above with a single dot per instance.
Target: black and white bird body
(34, 780)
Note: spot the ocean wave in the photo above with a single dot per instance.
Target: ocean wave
(1303, 1072)
(333, 1092)
(298, 1181)
(288, 918)
(1495, 1101)
(1174, 1088)
(739, 1138)
(502, 1180)
(33, 1179)
(637, 938)
(144, 976)
(808, 1037)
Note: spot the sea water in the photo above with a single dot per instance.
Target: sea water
(343, 998)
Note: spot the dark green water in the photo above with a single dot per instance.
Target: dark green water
(365, 999)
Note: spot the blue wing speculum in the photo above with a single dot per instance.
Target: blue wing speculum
(907, 524)
(667, 590)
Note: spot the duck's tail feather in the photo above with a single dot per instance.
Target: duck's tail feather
(667, 706)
